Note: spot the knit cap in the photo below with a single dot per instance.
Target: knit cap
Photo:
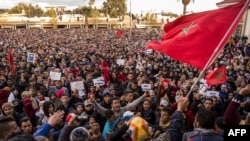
(59, 93)
(79, 134)
(7, 104)
(4, 94)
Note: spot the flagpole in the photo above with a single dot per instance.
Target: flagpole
(217, 51)
(130, 20)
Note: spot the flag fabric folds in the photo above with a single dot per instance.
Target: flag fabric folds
(197, 38)
(119, 33)
(11, 62)
(216, 77)
(106, 75)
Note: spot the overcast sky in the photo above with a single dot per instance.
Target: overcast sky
(138, 6)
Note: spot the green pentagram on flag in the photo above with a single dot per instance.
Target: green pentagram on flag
(219, 75)
(187, 29)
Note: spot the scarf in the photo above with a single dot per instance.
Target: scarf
(147, 113)
(164, 125)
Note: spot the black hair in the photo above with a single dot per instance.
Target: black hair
(41, 138)
(169, 110)
(46, 105)
(205, 118)
(209, 99)
(51, 92)
(114, 98)
(109, 113)
(39, 91)
(22, 137)
(24, 119)
(15, 88)
(4, 121)
(220, 122)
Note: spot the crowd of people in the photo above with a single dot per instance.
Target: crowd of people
(143, 95)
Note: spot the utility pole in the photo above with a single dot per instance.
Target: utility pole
(130, 31)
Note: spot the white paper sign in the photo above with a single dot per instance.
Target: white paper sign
(77, 85)
(145, 87)
(149, 51)
(99, 81)
(31, 57)
(82, 93)
(212, 94)
(55, 75)
(120, 62)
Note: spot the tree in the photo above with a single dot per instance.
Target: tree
(51, 13)
(94, 12)
(86, 10)
(3, 11)
(89, 11)
(185, 4)
(115, 8)
(91, 2)
(30, 10)
(150, 18)
(170, 14)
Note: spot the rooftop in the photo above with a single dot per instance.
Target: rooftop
(226, 2)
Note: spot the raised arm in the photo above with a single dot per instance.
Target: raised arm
(173, 132)
(230, 115)
(54, 120)
(98, 107)
(136, 102)
(66, 130)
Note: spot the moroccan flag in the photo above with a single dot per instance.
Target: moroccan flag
(218, 76)
(119, 33)
(106, 75)
(11, 62)
(197, 38)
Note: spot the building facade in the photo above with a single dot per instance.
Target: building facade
(243, 28)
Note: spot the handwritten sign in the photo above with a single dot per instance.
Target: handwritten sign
(82, 93)
(77, 85)
(145, 87)
(55, 75)
(120, 62)
(99, 81)
(210, 94)
(149, 51)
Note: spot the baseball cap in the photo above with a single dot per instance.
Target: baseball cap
(87, 102)
(164, 102)
(127, 115)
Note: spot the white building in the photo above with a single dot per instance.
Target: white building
(244, 26)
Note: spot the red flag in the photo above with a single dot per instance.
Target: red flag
(216, 77)
(11, 62)
(198, 38)
(119, 33)
(105, 72)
